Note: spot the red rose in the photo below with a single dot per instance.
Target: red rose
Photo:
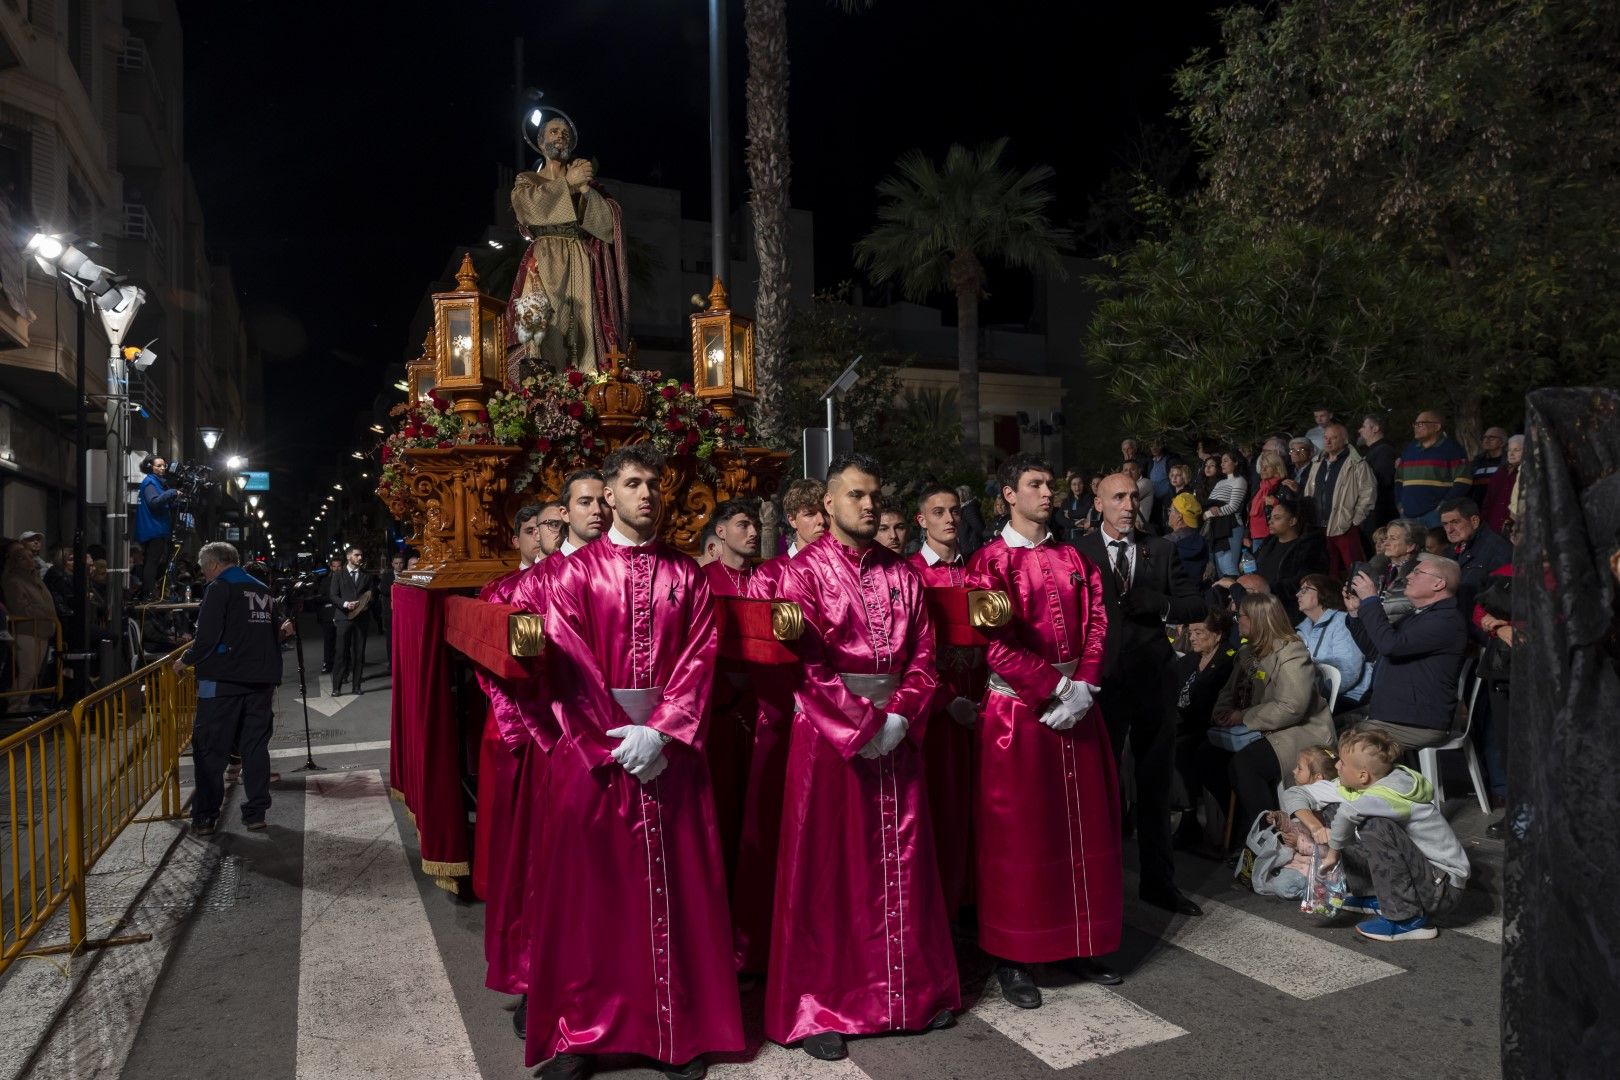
(668, 393)
(691, 440)
(445, 444)
(483, 416)
(705, 417)
(387, 455)
(576, 410)
(587, 443)
(576, 378)
(543, 445)
(437, 399)
(686, 388)
(673, 425)
(738, 431)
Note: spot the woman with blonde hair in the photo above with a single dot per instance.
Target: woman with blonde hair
(1271, 470)
(1272, 690)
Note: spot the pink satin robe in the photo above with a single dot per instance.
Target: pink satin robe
(949, 750)
(632, 932)
(859, 943)
(730, 736)
(753, 893)
(511, 788)
(1049, 873)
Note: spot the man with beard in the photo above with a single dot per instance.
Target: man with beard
(892, 532)
(754, 892)
(948, 747)
(506, 780)
(731, 729)
(1049, 887)
(860, 944)
(576, 260)
(634, 939)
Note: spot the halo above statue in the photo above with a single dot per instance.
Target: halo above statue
(535, 118)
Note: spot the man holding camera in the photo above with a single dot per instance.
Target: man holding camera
(349, 591)
(238, 660)
(154, 524)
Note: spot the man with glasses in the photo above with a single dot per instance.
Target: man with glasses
(1433, 468)
(1491, 457)
(1414, 687)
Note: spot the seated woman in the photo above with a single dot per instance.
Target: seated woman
(1291, 554)
(1397, 557)
(1326, 633)
(1272, 690)
(1199, 676)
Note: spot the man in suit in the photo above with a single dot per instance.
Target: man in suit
(349, 592)
(1144, 586)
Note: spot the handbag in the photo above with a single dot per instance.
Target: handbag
(1220, 527)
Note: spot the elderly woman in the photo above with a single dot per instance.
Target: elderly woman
(1199, 675)
(1272, 690)
(1397, 557)
(1326, 634)
(1272, 472)
(1499, 491)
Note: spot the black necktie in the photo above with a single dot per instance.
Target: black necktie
(1122, 566)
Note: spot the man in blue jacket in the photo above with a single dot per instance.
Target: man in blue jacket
(153, 524)
(238, 659)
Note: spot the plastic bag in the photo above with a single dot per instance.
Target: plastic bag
(1324, 889)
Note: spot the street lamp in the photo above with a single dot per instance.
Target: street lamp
(241, 482)
(722, 353)
(210, 437)
(253, 500)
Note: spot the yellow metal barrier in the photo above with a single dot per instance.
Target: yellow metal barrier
(75, 780)
(30, 638)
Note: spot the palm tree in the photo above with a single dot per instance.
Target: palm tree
(939, 225)
(769, 169)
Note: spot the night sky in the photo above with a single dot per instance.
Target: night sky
(341, 150)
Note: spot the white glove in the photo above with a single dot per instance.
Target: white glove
(963, 711)
(1076, 696)
(888, 737)
(639, 749)
(1058, 716)
(651, 772)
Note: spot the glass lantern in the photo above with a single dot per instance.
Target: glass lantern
(469, 360)
(722, 353)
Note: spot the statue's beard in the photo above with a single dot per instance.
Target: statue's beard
(557, 153)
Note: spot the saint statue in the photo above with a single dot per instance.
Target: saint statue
(570, 302)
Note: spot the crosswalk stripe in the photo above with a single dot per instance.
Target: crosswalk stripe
(372, 991)
(1076, 1023)
(1487, 927)
(1299, 964)
(774, 1062)
(330, 748)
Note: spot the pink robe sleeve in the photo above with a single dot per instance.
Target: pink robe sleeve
(1030, 675)
(686, 692)
(1096, 615)
(524, 710)
(918, 693)
(578, 678)
(505, 698)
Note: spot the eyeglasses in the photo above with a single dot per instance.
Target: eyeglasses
(1304, 589)
(1425, 423)
(1428, 573)
(554, 526)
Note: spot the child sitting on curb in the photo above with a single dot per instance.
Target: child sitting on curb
(1389, 829)
(1315, 776)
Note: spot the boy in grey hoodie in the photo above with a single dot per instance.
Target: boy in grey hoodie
(1389, 829)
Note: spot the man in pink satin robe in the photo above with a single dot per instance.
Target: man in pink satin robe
(948, 751)
(1049, 881)
(731, 727)
(753, 892)
(634, 942)
(860, 944)
(507, 777)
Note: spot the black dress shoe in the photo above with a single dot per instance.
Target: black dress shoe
(1170, 899)
(1087, 968)
(828, 1046)
(1497, 829)
(696, 1069)
(520, 1016)
(1018, 986)
(942, 1020)
(568, 1067)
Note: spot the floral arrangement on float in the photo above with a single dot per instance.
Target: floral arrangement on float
(551, 415)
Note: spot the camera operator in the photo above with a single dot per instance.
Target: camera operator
(238, 661)
(154, 524)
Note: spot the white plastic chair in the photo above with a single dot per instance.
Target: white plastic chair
(1328, 680)
(1429, 758)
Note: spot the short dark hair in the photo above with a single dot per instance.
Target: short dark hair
(1377, 420)
(146, 463)
(573, 478)
(1328, 590)
(527, 513)
(1218, 620)
(643, 454)
(1016, 466)
(930, 490)
(1465, 506)
(856, 460)
(706, 536)
(351, 549)
(732, 507)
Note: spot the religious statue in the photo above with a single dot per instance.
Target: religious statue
(570, 303)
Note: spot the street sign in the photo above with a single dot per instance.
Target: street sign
(257, 481)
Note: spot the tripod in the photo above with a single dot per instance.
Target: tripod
(303, 699)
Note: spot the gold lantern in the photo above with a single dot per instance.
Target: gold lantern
(722, 353)
(419, 373)
(469, 337)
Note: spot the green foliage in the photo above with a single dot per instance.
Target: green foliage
(1475, 143)
(1214, 330)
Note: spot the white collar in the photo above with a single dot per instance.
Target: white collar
(793, 549)
(568, 547)
(618, 539)
(933, 558)
(1016, 539)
